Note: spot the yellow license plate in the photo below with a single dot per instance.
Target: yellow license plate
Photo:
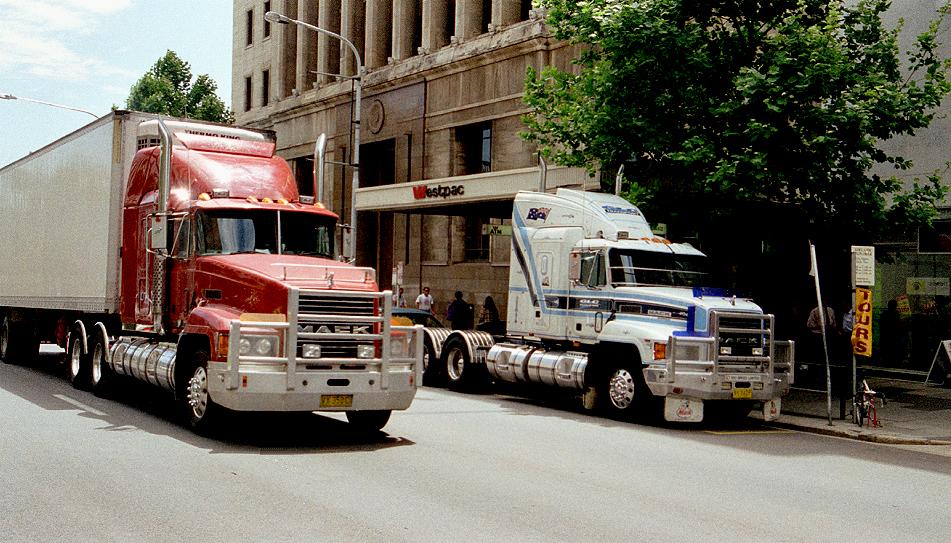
(336, 400)
(742, 393)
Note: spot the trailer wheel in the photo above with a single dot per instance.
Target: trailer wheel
(368, 421)
(19, 343)
(101, 374)
(461, 373)
(201, 412)
(78, 368)
(432, 376)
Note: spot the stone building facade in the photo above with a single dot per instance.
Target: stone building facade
(441, 107)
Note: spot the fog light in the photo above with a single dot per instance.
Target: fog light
(726, 350)
(365, 351)
(757, 351)
(726, 385)
(757, 386)
(311, 350)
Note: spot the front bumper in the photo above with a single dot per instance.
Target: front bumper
(263, 389)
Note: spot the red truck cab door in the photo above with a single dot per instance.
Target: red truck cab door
(181, 283)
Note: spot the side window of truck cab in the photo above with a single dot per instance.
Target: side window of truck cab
(593, 273)
(183, 239)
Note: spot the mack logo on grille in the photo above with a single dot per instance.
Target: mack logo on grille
(333, 328)
(747, 341)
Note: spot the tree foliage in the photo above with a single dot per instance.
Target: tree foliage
(168, 88)
(743, 102)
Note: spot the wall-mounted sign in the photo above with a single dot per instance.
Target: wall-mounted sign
(439, 191)
(928, 286)
(496, 230)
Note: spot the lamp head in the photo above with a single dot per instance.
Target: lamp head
(275, 17)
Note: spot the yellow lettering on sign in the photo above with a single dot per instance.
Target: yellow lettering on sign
(862, 327)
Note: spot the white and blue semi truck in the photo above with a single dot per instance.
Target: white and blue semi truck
(600, 305)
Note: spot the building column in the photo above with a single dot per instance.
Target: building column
(505, 12)
(468, 19)
(352, 25)
(404, 28)
(328, 48)
(435, 20)
(286, 36)
(306, 46)
(379, 26)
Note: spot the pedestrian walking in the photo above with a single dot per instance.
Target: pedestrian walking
(398, 299)
(424, 301)
(460, 313)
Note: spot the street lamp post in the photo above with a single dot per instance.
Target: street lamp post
(5, 96)
(274, 17)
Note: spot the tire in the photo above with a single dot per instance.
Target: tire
(78, 369)
(622, 391)
(432, 376)
(101, 376)
(201, 413)
(19, 343)
(859, 413)
(368, 421)
(461, 374)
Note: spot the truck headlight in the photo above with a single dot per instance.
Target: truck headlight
(365, 351)
(257, 345)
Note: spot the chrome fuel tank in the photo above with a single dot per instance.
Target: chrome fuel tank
(145, 360)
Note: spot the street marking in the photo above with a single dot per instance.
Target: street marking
(80, 405)
(746, 432)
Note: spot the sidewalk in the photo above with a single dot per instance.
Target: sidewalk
(916, 413)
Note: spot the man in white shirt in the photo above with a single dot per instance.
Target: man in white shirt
(424, 301)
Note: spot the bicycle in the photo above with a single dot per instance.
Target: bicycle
(864, 408)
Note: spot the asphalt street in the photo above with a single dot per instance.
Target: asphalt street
(454, 467)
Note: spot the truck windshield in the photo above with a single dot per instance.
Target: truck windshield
(231, 232)
(631, 267)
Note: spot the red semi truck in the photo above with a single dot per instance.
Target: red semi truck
(181, 253)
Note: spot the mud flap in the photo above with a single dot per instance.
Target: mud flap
(683, 409)
(772, 408)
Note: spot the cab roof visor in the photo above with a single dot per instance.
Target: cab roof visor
(216, 144)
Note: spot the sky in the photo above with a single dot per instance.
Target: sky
(87, 54)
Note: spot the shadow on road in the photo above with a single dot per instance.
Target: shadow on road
(746, 434)
(137, 406)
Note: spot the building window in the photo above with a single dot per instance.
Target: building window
(267, 24)
(486, 16)
(473, 149)
(265, 87)
(247, 93)
(526, 7)
(249, 27)
(476, 242)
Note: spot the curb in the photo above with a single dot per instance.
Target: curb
(872, 438)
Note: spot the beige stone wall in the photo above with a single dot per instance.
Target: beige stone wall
(467, 69)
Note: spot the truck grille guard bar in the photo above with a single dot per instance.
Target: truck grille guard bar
(410, 354)
(777, 356)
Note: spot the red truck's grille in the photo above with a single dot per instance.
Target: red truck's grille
(320, 313)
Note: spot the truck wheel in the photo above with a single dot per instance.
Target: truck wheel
(19, 343)
(77, 363)
(431, 374)
(368, 421)
(101, 374)
(201, 412)
(461, 373)
(623, 391)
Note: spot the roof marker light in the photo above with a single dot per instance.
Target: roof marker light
(266, 200)
(282, 201)
(252, 199)
(204, 197)
(320, 205)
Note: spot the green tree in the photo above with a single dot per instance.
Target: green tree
(722, 107)
(167, 88)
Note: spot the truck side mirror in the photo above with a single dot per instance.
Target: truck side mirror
(574, 267)
(158, 233)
